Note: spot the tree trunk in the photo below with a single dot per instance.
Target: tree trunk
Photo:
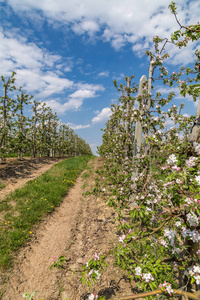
(19, 154)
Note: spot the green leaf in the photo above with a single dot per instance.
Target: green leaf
(151, 285)
(192, 280)
(141, 214)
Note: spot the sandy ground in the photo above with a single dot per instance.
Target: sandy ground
(77, 229)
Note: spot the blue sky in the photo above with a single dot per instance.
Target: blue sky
(67, 53)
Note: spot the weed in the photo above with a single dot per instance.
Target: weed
(29, 296)
(58, 262)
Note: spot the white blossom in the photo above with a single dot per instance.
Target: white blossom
(92, 297)
(192, 219)
(197, 278)
(147, 277)
(169, 289)
(178, 223)
(97, 256)
(148, 209)
(170, 234)
(193, 235)
(197, 178)
(191, 162)
(188, 201)
(167, 286)
(194, 271)
(176, 250)
(121, 238)
(96, 272)
(138, 271)
(179, 181)
(164, 243)
(175, 167)
(196, 147)
(172, 159)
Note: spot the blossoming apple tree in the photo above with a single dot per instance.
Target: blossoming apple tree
(157, 207)
(42, 134)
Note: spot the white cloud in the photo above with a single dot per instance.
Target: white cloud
(33, 66)
(82, 94)
(67, 69)
(140, 47)
(118, 77)
(54, 84)
(47, 83)
(61, 108)
(186, 115)
(75, 100)
(102, 116)
(116, 40)
(56, 106)
(41, 73)
(88, 86)
(121, 22)
(76, 127)
(103, 74)
(170, 122)
(85, 91)
(90, 27)
(184, 55)
(165, 90)
(19, 53)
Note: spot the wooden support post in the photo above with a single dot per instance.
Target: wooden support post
(138, 138)
(123, 114)
(148, 104)
(116, 122)
(196, 128)
(138, 127)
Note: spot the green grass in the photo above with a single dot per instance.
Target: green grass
(86, 175)
(26, 206)
(2, 185)
(84, 185)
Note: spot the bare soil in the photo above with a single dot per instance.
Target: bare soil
(80, 227)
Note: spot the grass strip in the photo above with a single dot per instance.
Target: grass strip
(26, 206)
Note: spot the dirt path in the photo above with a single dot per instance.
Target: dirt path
(77, 229)
(32, 271)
